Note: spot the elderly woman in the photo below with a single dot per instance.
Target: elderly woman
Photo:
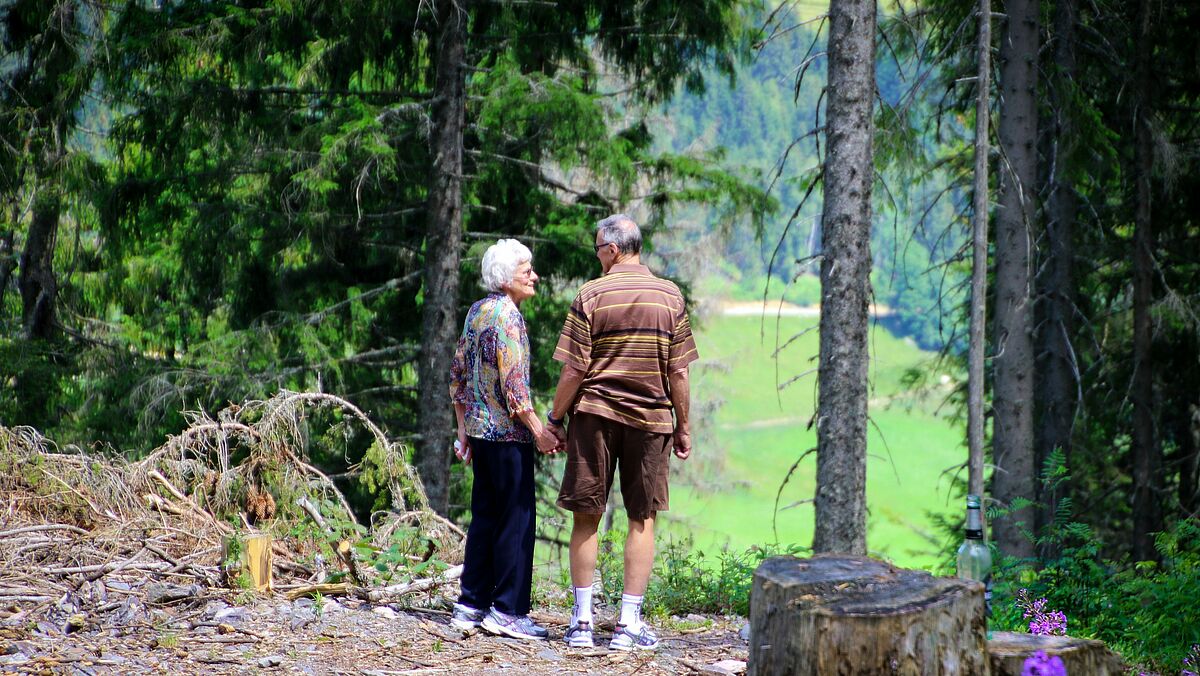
(498, 429)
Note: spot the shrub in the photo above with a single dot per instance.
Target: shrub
(1146, 611)
(686, 580)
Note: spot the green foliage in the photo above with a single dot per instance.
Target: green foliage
(688, 581)
(762, 123)
(685, 580)
(1144, 610)
(253, 218)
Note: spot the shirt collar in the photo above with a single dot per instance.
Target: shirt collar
(629, 267)
(504, 299)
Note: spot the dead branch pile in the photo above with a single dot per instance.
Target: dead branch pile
(88, 526)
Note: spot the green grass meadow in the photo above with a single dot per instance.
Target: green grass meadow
(749, 436)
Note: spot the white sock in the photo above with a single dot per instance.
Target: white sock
(631, 611)
(583, 605)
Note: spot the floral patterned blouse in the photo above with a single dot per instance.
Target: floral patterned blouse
(490, 372)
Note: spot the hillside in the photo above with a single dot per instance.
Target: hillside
(755, 433)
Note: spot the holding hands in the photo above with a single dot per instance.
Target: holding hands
(553, 437)
(549, 441)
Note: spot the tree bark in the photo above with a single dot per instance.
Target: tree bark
(39, 288)
(8, 259)
(840, 505)
(439, 319)
(1012, 397)
(1147, 455)
(854, 615)
(1056, 379)
(979, 253)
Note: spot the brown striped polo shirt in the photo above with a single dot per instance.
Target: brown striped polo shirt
(627, 330)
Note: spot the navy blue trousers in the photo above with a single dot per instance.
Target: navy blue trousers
(498, 570)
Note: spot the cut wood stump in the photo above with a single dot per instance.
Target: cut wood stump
(855, 615)
(1008, 652)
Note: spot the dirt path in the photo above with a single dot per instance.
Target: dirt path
(208, 636)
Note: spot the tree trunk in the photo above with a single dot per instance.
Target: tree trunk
(1057, 382)
(8, 260)
(39, 288)
(1189, 461)
(979, 251)
(1147, 455)
(1012, 396)
(1008, 652)
(840, 505)
(439, 319)
(854, 615)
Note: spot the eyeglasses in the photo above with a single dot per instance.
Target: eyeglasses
(598, 247)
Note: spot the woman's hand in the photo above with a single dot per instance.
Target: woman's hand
(462, 448)
(546, 440)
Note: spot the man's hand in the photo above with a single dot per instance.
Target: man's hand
(683, 443)
(560, 433)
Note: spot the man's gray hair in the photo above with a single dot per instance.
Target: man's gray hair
(500, 263)
(620, 229)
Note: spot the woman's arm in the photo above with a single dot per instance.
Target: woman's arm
(462, 447)
(512, 361)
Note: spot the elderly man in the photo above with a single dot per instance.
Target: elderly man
(625, 349)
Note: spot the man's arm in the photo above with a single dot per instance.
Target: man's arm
(681, 400)
(569, 382)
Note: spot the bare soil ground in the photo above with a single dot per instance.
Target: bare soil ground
(207, 635)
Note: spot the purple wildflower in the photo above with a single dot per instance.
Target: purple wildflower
(1041, 664)
(1192, 660)
(1041, 623)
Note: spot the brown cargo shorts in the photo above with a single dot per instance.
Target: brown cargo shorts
(596, 446)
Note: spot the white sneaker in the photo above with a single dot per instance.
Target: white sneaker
(516, 626)
(466, 618)
(639, 639)
(579, 635)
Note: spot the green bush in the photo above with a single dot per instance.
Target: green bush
(1146, 611)
(686, 580)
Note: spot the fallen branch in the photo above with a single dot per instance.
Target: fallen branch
(222, 526)
(304, 503)
(380, 594)
(43, 527)
(384, 594)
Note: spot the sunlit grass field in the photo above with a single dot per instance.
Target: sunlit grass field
(749, 435)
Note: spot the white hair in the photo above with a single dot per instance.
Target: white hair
(621, 230)
(500, 263)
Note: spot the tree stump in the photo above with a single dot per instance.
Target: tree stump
(855, 615)
(1008, 652)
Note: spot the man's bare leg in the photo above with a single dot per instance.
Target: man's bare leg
(584, 548)
(639, 555)
(632, 633)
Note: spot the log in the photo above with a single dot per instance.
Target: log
(1008, 652)
(855, 615)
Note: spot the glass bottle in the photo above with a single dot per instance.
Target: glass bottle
(974, 557)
